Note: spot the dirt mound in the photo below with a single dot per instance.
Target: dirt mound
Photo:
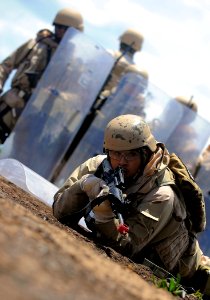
(42, 259)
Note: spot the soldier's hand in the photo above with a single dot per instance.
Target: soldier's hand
(93, 186)
(103, 212)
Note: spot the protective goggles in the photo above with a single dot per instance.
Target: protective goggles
(128, 155)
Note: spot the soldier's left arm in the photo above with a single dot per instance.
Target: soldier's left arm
(145, 222)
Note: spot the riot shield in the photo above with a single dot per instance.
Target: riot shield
(131, 96)
(203, 171)
(187, 140)
(28, 180)
(188, 137)
(203, 180)
(59, 104)
(203, 237)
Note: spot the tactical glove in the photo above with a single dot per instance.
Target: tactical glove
(93, 186)
(103, 212)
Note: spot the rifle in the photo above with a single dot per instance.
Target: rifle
(115, 181)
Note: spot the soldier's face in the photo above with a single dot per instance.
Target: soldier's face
(60, 31)
(129, 161)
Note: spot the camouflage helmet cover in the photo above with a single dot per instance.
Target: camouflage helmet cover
(69, 17)
(132, 38)
(127, 132)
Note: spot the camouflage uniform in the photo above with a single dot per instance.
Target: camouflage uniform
(131, 42)
(30, 61)
(155, 212)
(30, 58)
(156, 220)
(117, 71)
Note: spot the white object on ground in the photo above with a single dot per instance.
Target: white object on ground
(30, 181)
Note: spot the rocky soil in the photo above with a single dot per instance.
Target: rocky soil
(41, 259)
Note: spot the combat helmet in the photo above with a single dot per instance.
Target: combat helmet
(190, 113)
(70, 18)
(128, 132)
(187, 102)
(132, 38)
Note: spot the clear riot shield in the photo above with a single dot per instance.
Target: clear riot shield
(187, 140)
(203, 180)
(204, 237)
(203, 171)
(28, 180)
(60, 103)
(131, 96)
(189, 135)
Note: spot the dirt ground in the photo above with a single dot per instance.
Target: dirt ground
(41, 259)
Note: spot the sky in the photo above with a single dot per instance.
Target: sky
(176, 49)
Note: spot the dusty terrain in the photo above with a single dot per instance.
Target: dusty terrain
(42, 259)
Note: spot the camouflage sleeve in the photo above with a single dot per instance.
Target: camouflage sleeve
(70, 198)
(13, 61)
(145, 224)
(43, 34)
(154, 213)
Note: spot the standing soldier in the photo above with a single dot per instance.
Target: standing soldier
(183, 140)
(131, 41)
(30, 60)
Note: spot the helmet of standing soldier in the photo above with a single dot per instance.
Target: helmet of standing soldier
(70, 18)
(128, 132)
(132, 38)
(190, 113)
(190, 103)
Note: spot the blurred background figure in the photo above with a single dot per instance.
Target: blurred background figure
(29, 61)
(202, 175)
(183, 139)
(131, 41)
(190, 103)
